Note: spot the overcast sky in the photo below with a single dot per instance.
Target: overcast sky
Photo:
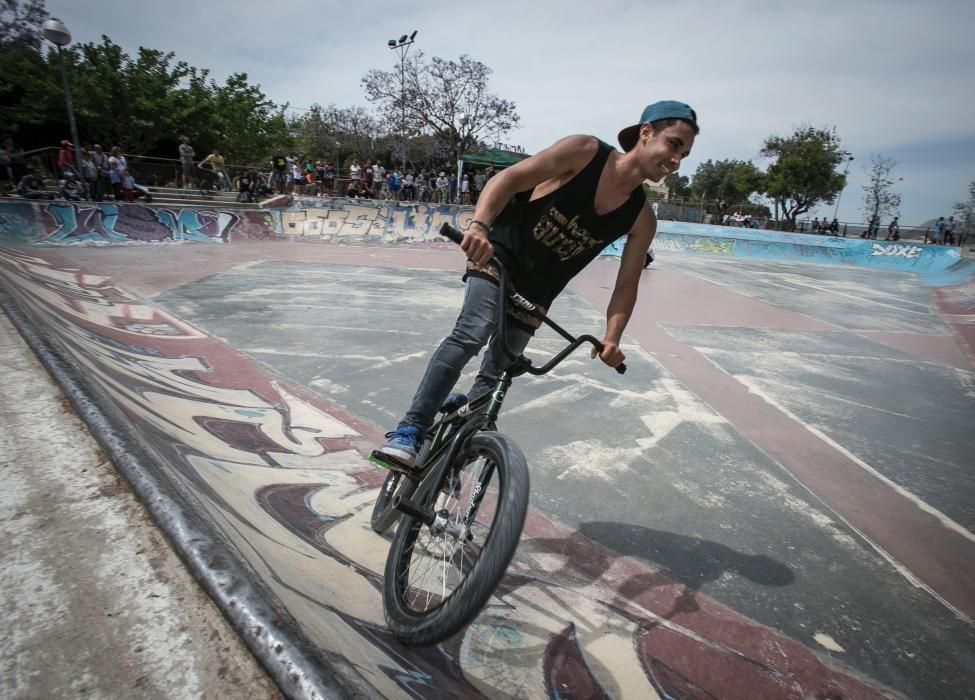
(894, 76)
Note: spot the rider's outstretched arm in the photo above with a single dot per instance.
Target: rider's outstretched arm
(627, 282)
(555, 165)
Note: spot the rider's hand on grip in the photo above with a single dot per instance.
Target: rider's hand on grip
(448, 231)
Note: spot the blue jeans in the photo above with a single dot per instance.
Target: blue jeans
(473, 329)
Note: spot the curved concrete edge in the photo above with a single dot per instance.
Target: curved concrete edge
(298, 667)
(339, 220)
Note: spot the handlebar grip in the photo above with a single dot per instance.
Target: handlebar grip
(448, 231)
(621, 368)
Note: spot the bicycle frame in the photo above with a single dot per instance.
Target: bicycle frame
(433, 463)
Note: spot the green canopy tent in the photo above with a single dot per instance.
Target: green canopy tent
(493, 156)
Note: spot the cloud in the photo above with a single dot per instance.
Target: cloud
(886, 73)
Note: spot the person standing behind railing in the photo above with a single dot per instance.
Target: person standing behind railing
(89, 172)
(115, 177)
(442, 186)
(100, 162)
(66, 160)
(379, 177)
(187, 156)
(893, 230)
(121, 164)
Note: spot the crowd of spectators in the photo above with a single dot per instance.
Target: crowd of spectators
(98, 176)
(105, 176)
(290, 174)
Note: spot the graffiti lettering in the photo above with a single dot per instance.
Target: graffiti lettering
(896, 250)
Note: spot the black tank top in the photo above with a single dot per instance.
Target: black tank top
(546, 242)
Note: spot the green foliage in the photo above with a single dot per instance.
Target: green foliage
(965, 211)
(126, 102)
(445, 99)
(726, 183)
(244, 122)
(29, 90)
(22, 24)
(142, 104)
(804, 172)
(678, 185)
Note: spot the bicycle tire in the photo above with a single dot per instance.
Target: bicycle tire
(384, 515)
(510, 504)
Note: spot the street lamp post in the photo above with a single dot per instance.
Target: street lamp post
(403, 45)
(846, 172)
(58, 34)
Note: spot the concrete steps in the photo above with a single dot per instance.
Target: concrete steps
(176, 196)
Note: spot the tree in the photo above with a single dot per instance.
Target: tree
(126, 102)
(677, 185)
(804, 172)
(879, 199)
(726, 183)
(246, 123)
(28, 89)
(22, 25)
(446, 99)
(965, 212)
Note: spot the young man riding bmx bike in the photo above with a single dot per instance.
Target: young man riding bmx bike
(545, 219)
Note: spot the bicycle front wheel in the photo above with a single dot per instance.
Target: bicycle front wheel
(438, 577)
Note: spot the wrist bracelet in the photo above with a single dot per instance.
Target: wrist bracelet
(481, 224)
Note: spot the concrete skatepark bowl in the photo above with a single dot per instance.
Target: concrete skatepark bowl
(775, 501)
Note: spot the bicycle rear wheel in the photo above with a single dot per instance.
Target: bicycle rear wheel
(438, 577)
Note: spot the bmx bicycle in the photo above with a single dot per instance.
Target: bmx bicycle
(462, 507)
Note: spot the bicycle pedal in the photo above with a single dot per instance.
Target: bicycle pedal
(386, 461)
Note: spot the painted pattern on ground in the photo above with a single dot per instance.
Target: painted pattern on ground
(640, 446)
(280, 470)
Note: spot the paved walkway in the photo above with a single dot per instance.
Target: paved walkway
(95, 603)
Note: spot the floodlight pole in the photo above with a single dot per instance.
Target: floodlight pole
(58, 34)
(846, 171)
(403, 45)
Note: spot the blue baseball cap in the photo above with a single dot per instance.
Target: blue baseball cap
(665, 109)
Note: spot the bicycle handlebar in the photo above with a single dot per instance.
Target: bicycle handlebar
(453, 234)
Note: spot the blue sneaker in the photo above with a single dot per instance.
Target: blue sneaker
(402, 445)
